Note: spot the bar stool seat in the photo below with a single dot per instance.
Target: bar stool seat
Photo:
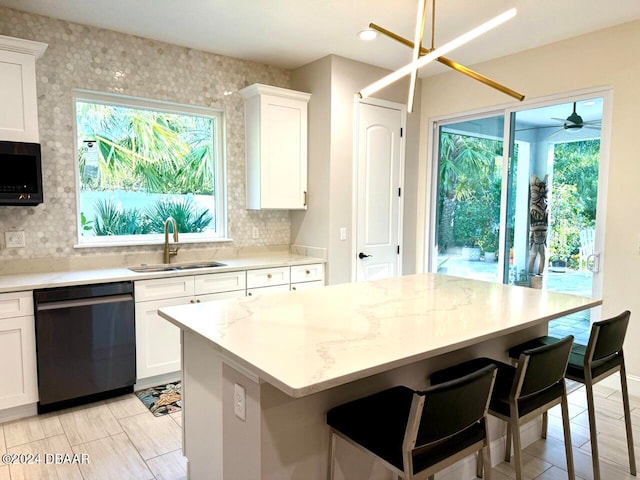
(417, 433)
(588, 364)
(521, 393)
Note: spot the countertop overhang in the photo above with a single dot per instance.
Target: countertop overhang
(307, 341)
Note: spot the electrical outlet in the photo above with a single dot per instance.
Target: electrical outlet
(255, 233)
(239, 402)
(14, 239)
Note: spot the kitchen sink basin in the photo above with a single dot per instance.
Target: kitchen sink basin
(166, 267)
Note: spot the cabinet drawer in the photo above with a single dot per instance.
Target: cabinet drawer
(16, 304)
(266, 277)
(212, 297)
(162, 288)
(254, 292)
(220, 282)
(307, 273)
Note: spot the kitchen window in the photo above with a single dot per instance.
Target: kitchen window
(140, 161)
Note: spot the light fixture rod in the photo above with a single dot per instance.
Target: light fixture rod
(433, 55)
(451, 64)
(417, 46)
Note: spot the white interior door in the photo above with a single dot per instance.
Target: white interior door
(379, 183)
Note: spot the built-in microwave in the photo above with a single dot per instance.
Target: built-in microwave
(21, 177)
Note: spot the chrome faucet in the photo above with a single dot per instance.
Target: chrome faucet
(170, 250)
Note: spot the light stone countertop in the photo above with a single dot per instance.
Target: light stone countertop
(31, 281)
(307, 341)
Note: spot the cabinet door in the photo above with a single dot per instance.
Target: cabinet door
(307, 285)
(157, 340)
(283, 138)
(254, 292)
(18, 357)
(219, 296)
(19, 112)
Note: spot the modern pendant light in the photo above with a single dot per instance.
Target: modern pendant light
(423, 56)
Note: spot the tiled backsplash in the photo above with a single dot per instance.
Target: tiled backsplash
(80, 56)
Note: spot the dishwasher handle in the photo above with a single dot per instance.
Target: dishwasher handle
(82, 302)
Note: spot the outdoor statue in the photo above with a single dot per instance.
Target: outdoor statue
(538, 222)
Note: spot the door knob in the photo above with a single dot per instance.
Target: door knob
(362, 255)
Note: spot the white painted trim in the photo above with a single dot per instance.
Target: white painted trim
(19, 45)
(16, 413)
(149, 382)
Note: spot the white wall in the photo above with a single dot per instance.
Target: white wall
(600, 59)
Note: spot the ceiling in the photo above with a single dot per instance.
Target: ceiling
(291, 33)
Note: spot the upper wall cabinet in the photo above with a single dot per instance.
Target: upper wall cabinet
(19, 111)
(276, 147)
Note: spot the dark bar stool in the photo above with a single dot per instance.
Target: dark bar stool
(524, 392)
(589, 364)
(418, 433)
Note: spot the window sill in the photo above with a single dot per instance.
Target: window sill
(150, 242)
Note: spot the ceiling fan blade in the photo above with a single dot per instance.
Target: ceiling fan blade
(555, 133)
(592, 127)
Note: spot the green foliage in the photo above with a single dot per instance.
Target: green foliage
(574, 196)
(183, 212)
(469, 188)
(112, 220)
(147, 151)
(488, 240)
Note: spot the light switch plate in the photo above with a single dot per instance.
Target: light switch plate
(14, 239)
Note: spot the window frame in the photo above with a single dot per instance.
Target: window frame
(220, 171)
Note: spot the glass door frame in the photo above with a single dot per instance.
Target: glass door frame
(429, 240)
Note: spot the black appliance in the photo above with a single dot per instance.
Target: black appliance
(21, 179)
(86, 343)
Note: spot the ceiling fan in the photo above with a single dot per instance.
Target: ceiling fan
(572, 123)
(575, 122)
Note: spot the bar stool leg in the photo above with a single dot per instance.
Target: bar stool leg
(507, 446)
(517, 449)
(545, 425)
(567, 435)
(332, 454)
(486, 462)
(627, 419)
(593, 432)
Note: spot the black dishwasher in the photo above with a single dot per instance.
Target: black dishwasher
(86, 343)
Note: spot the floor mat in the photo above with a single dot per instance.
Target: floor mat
(162, 399)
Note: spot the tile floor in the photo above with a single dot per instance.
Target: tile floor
(120, 437)
(123, 440)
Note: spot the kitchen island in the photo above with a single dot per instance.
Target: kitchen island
(283, 360)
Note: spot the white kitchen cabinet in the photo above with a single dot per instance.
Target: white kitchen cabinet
(304, 277)
(19, 385)
(276, 147)
(19, 112)
(157, 340)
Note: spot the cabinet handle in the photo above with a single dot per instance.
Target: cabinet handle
(197, 301)
(293, 288)
(269, 276)
(305, 199)
(192, 301)
(249, 294)
(307, 272)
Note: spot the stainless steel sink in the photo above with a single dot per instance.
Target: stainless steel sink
(166, 267)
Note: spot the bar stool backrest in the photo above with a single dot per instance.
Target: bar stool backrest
(542, 367)
(607, 337)
(453, 406)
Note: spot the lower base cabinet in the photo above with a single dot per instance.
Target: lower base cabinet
(19, 384)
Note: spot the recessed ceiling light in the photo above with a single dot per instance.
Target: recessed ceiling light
(368, 34)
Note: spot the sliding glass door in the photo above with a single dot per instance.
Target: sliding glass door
(467, 228)
(524, 184)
